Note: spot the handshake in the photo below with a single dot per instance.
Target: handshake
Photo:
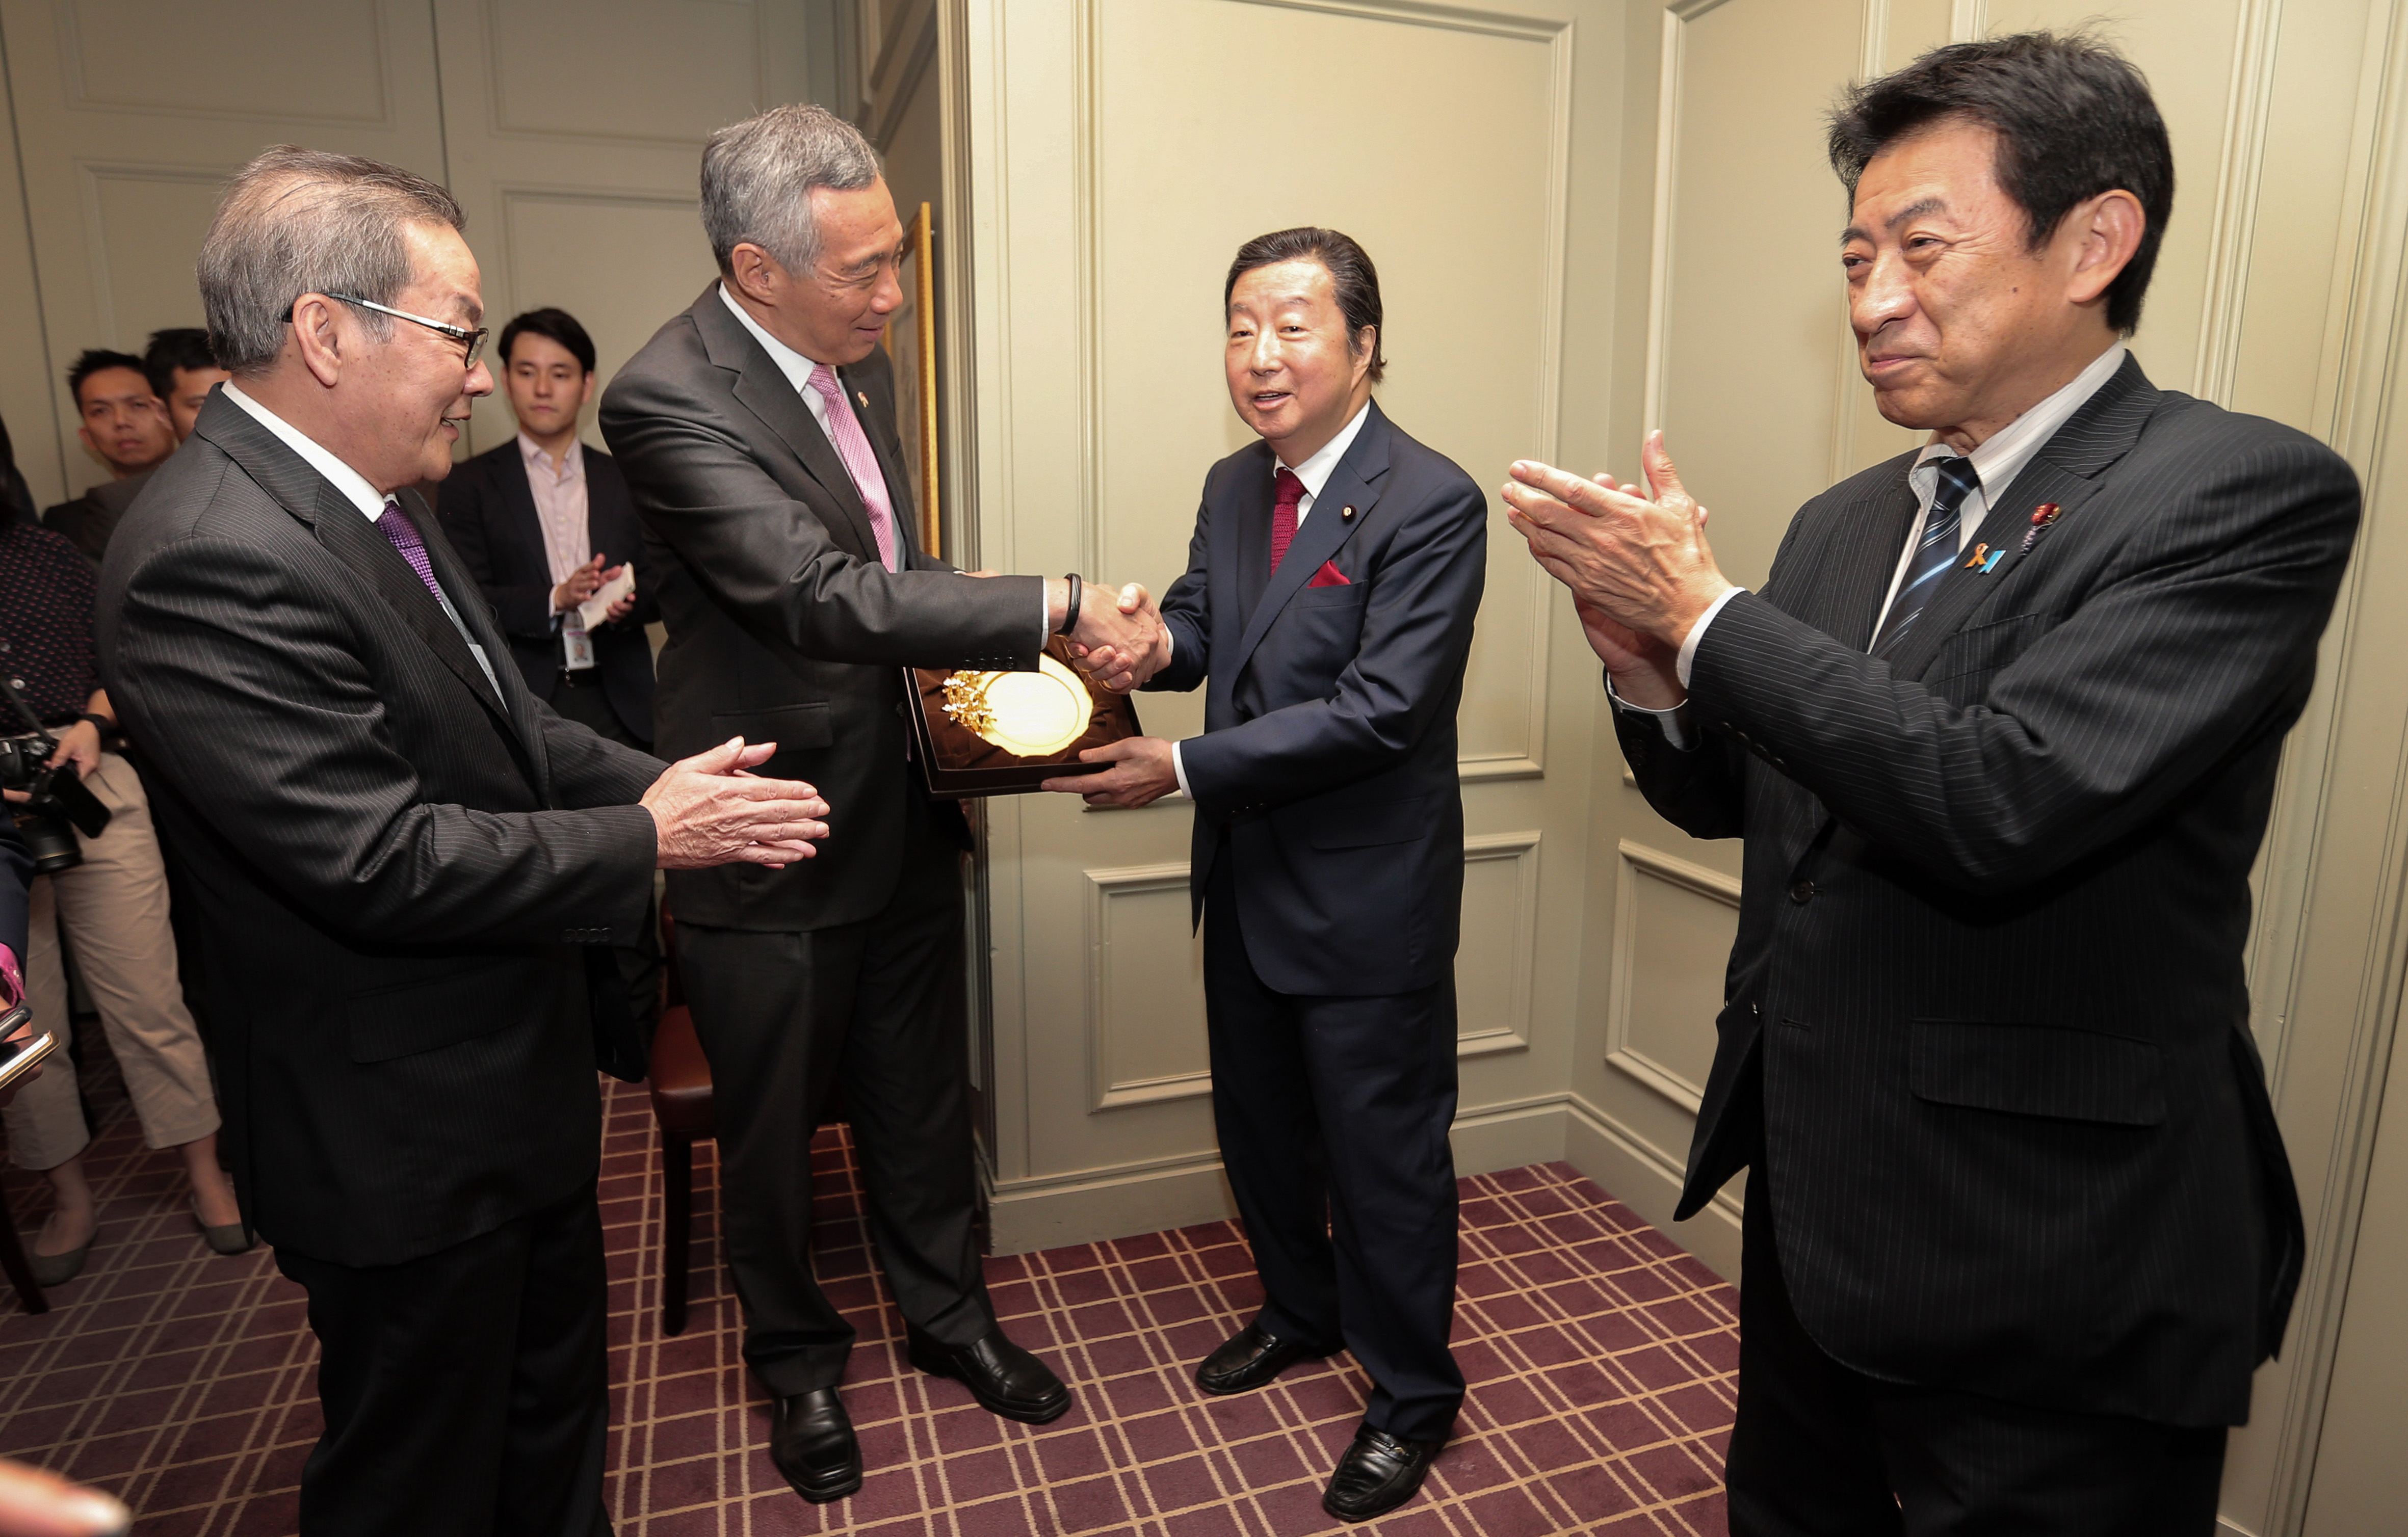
(1118, 638)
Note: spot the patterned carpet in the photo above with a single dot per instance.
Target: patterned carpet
(1600, 1359)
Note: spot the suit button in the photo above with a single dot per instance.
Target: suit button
(1802, 893)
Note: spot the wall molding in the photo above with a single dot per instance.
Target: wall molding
(2232, 223)
(78, 93)
(1523, 849)
(91, 174)
(1633, 859)
(1105, 1092)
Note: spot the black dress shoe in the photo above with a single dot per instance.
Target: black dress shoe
(1377, 1473)
(1249, 1359)
(1004, 1378)
(811, 1440)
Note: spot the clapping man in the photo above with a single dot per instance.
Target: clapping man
(2000, 732)
(1327, 608)
(402, 860)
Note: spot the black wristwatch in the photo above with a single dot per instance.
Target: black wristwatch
(1070, 609)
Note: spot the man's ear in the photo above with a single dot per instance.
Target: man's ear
(2106, 230)
(755, 273)
(317, 337)
(587, 394)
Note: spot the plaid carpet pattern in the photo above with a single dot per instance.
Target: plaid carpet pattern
(1601, 1361)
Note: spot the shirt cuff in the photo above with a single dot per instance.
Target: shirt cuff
(1674, 723)
(1179, 767)
(1697, 632)
(1044, 619)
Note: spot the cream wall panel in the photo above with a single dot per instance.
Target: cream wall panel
(574, 133)
(1147, 1003)
(129, 113)
(172, 57)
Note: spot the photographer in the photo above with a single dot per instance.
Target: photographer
(108, 894)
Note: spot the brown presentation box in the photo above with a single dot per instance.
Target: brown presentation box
(959, 763)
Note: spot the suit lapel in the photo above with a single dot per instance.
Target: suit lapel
(766, 392)
(1855, 578)
(2065, 471)
(518, 495)
(1353, 483)
(519, 715)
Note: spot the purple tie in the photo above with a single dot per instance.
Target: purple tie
(395, 525)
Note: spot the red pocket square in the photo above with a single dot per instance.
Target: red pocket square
(1330, 575)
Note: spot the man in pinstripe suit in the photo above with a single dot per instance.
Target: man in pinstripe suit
(2000, 732)
(407, 866)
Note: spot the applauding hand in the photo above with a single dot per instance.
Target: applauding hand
(711, 810)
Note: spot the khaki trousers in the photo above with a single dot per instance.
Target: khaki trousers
(113, 908)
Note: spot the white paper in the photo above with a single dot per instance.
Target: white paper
(593, 608)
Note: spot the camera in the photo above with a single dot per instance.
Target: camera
(57, 804)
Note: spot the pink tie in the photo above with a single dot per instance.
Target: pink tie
(852, 447)
(1291, 491)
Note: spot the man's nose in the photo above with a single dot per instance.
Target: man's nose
(480, 382)
(887, 297)
(1266, 357)
(1887, 295)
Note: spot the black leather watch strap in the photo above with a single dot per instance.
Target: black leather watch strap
(1070, 609)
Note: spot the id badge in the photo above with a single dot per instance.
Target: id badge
(578, 648)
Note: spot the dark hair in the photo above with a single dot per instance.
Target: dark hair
(185, 346)
(557, 324)
(1350, 272)
(2073, 117)
(95, 360)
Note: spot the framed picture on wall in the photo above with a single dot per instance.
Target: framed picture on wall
(911, 346)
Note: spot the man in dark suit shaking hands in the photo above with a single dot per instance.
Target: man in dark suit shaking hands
(402, 859)
(1327, 608)
(2000, 732)
(757, 432)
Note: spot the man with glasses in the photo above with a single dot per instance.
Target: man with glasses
(757, 432)
(407, 868)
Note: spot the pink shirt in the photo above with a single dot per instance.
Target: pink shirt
(559, 506)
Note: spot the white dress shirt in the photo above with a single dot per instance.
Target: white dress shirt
(1314, 473)
(798, 370)
(360, 492)
(1997, 460)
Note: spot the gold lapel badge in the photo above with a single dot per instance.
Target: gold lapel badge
(1980, 553)
(862, 398)
(1344, 513)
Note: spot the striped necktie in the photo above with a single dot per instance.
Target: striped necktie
(1933, 555)
(1290, 492)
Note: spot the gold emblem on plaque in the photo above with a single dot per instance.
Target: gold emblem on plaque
(1029, 714)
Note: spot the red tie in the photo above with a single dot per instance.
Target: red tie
(1291, 491)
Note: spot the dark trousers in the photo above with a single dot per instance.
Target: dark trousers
(873, 1009)
(1333, 1116)
(464, 1393)
(639, 964)
(1819, 1448)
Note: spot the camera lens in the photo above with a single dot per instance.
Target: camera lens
(50, 840)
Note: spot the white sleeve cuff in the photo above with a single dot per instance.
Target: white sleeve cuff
(1179, 767)
(1696, 633)
(1674, 723)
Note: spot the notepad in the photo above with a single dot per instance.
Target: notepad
(593, 608)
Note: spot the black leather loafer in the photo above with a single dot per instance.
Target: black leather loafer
(1004, 1378)
(1377, 1473)
(1249, 1359)
(811, 1440)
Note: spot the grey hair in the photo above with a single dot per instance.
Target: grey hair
(298, 221)
(758, 174)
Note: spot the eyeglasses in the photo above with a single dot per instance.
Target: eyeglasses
(472, 341)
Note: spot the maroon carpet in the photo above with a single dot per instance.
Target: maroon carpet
(1600, 1359)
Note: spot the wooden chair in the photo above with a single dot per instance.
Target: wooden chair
(681, 1092)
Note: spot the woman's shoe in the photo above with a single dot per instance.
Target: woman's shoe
(225, 1238)
(50, 1269)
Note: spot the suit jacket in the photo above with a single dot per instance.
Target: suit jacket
(396, 869)
(782, 626)
(488, 512)
(90, 520)
(1326, 770)
(1986, 1021)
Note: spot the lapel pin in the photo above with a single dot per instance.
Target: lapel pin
(1981, 553)
(862, 398)
(1344, 513)
(2042, 515)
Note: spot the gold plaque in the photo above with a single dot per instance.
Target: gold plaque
(1005, 732)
